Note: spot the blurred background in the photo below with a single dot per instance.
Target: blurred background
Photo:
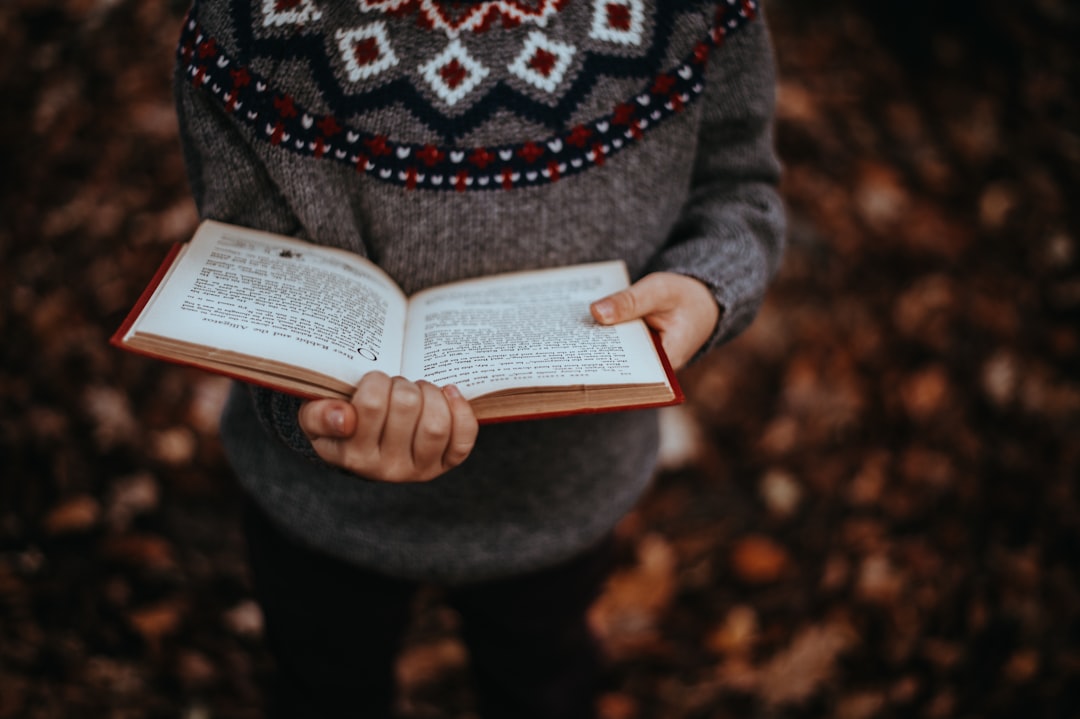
(868, 507)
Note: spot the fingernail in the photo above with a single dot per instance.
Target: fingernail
(452, 391)
(336, 418)
(604, 310)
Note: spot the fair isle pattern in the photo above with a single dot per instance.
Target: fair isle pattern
(453, 73)
(289, 12)
(620, 21)
(453, 18)
(543, 62)
(279, 120)
(366, 51)
(413, 85)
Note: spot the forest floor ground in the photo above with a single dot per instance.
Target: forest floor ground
(867, 508)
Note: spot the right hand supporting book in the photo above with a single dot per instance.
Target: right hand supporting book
(313, 320)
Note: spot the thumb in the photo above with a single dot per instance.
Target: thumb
(633, 302)
(327, 418)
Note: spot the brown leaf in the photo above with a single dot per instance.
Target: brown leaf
(925, 393)
(738, 633)
(120, 679)
(880, 196)
(795, 103)
(111, 413)
(157, 621)
(617, 705)
(781, 493)
(195, 670)
(924, 310)
(920, 465)
(634, 599)
(798, 672)
(142, 550)
(130, 497)
(879, 582)
(825, 393)
(1022, 666)
(864, 705)
(245, 619)
(78, 514)
(869, 482)
(781, 436)
(996, 203)
(175, 446)
(425, 664)
(757, 559)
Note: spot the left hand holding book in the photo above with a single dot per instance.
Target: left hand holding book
(392, 429)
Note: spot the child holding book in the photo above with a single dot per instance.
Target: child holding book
(450, 140)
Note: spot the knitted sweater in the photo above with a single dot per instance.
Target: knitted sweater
(447, 140)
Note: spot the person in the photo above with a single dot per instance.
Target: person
(446, 140)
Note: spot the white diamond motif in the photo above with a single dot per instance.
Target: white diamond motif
(366, 51)
(452, 73)
(618, 21)
(543, 62)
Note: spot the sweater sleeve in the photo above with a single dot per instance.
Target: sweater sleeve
(730, 234)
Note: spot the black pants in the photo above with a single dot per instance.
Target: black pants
(335, 630)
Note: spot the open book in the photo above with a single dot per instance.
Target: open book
(312, 320)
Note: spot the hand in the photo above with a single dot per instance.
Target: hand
(680, 308)
(392, 430)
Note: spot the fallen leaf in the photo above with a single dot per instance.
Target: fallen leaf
(425, 664)
(175, 446)
(781, 493)
(1000, 378)
(78, 514)
(798, 672)
(738, 633)
(147, 551)
(757, 559)
(925, 393)
(617, 705)
(879, 581)
(245, 619)
(195, 670)
(130, 497)
(114, 421)
(634, 599)
(157, 621)
(864, 705)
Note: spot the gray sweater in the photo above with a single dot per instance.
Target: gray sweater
(450, 140)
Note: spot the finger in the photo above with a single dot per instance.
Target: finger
(354, 441)
(432, 428)
(371, 402)
(395, 444)
(327, 419)
(463, 430)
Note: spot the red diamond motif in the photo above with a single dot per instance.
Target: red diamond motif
(618, 16)
(284, 5)
(453, 73)
(543, 61)
(366, 51)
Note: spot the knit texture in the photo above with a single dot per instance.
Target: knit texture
(452, 140)
(537, 70)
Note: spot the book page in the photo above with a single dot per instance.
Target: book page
(244, 291)
(526, 330)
